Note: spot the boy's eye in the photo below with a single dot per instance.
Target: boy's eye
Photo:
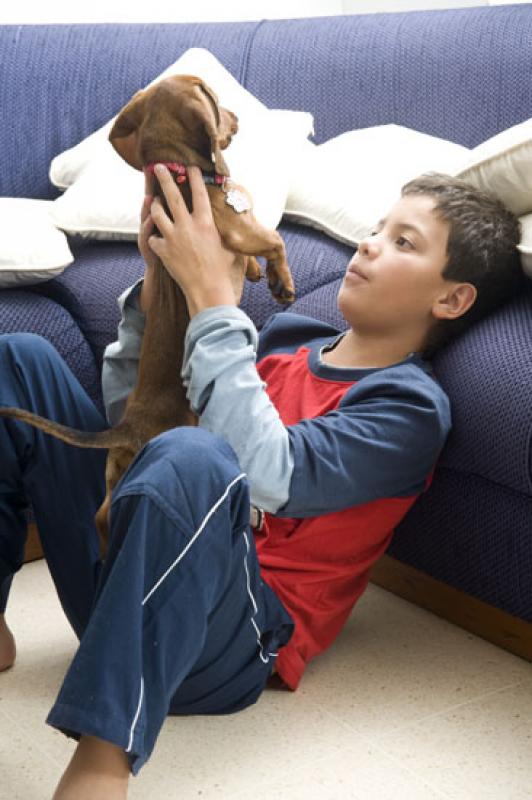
(401, 241)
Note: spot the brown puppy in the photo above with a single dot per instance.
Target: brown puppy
(178, 122)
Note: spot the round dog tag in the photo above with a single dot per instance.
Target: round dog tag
(237, 200)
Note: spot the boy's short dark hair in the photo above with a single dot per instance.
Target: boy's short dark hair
(481, 249)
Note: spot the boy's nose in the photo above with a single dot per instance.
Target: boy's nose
(368, 247)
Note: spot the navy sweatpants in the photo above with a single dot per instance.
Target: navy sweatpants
(177, 619)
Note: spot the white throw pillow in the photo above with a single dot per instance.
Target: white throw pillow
(344, 186)
(503, 165)
(104, 194)
(31, 247)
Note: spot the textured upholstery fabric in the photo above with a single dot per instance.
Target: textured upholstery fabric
(317, 263)
(488, 373)
(437, 72)
(20, 311)
(474, 535)
(89, 288)
(457, 74)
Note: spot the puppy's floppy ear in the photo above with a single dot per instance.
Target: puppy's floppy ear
(226, 121)
(219, 124)
(124, 133)
(227, 128)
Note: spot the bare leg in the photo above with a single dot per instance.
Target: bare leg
(98, 770)
(8, 650)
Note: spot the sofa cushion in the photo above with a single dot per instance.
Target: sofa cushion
(89, 289)
(316, 262)
(486, 373)
(472, 535)
(22, 311)
(457, 74)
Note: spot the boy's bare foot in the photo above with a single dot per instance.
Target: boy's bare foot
(8, 650)
(98, 770)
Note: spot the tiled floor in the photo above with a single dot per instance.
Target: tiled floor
(404, 707)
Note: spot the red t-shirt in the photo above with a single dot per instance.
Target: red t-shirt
(318, 566)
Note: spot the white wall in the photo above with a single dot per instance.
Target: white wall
(372, 6)
(36, 11)
(52, 11)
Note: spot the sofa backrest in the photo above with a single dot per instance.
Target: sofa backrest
(459, 74)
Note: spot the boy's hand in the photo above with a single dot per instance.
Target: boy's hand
(190, 246)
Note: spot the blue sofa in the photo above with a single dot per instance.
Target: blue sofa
(465, 549)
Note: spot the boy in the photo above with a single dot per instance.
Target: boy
(334, 437)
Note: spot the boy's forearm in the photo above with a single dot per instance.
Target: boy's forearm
(225, 390)
(223, 294)
(197, 301)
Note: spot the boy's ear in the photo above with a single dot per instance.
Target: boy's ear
(455, 302)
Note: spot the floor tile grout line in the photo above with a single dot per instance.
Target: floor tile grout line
(244, 795)
(449, 709)
(376, 745)
(301, 770)
(380, 745)
(443, 712)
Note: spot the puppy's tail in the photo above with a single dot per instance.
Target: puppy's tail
(112, 437)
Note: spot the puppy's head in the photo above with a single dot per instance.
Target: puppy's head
(177, 119)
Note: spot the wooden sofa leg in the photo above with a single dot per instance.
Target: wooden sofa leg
(488, 622)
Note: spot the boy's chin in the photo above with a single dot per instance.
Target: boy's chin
(346, 306)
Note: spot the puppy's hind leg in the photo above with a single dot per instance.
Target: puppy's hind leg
(253, 270)
(255, 240)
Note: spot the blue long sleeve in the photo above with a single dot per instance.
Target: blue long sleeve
(225, 390)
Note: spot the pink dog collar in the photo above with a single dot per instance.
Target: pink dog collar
(181, 172)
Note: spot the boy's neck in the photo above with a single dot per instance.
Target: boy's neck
(356, 350)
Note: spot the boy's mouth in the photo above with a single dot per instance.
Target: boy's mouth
(354, 272)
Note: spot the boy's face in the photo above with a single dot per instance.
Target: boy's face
(394, 280)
